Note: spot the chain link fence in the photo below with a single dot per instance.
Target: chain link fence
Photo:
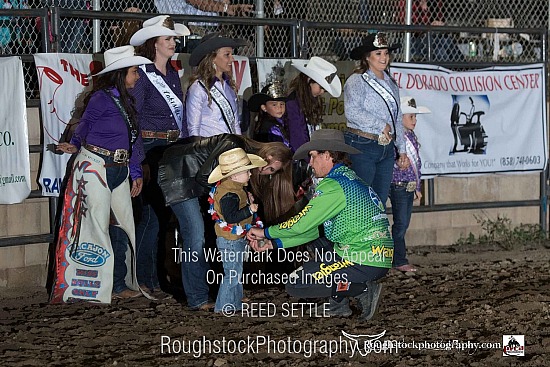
(433, 38)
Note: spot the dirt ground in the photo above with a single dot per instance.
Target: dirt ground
(464, 294)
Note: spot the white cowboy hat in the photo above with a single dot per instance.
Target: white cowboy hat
(120, 58)
(161, 25)
(322, 72)
(408, 105)
(234, 161)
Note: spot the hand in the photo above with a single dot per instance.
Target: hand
(387, 132)
(403, 162)
(255, 234)
(137, 185)
(254, 208)
(67, 148)
(261, 245)
(250, 198)
(240, 9)
(417, 195)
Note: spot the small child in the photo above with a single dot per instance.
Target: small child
(270, 105)
(405, 186)
(304, 107)
(233, 209)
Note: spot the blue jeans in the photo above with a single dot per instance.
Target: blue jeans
(374, 165)
(193, 266)
(146, 248)
(401, 206)
(230, 295)
(119, 240)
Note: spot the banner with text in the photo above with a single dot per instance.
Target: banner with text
(62, 78)
(482, 121)
(15, 175)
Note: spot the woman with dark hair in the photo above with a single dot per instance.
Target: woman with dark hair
(159, 104)
(211, 102)
(304, 109)
(98, 193)
(374, 118)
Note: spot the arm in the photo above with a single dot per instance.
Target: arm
(196, 98)
(303, 227)
(223, 6)
(297, 127)
(229, 205)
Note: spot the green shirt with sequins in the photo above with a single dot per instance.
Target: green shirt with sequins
(352, 215)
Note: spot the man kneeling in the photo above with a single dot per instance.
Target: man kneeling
(358, 249)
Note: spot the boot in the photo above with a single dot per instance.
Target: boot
(368, 300)
(335, 308)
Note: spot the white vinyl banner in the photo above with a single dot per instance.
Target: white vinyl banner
(241, 74)
(482, 121)
(15, 171)
(62, 78)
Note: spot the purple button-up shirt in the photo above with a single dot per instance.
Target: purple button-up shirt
(408, 175)
(102, 125)
(205, 119)
(154, 114)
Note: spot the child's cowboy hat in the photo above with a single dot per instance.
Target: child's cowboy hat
(322, 72)
(211, 42)
(161, 25)
(120, 58)
(408, 105)
(271, 92)
(234, 161)
(325, 139)
(374, 41)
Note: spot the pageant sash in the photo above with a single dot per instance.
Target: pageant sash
(224, 105)
(414, 158)
(172, 100)
(389, 99)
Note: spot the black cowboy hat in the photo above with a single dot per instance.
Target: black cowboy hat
(325, 139)
(271, 92)
(211, 42)
(374, 41)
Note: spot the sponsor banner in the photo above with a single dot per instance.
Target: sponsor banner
(62, 78)
(482, 121)
(15, 182)
(241, 74)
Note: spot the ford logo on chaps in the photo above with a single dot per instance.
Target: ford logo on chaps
(89, 254)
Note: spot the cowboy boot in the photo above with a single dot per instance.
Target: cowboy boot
(368, 300)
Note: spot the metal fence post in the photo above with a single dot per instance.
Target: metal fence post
(260, 29)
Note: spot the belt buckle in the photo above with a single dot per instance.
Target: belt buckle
(172, 135)
(120, 156)
(382, 140)
(411, 186)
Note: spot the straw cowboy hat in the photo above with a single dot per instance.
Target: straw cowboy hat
(408, 105)
(374, 41)
(161, 25)
(211, 42)
(120, 58)
(322, 72)
(325, 139)
(271, 92)
(234, 161)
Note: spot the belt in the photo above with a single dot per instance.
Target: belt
(170, 135)
(120, 156)
(409, 186)
(381, 139)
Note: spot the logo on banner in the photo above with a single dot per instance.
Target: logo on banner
(513, 345)
(89, 254)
